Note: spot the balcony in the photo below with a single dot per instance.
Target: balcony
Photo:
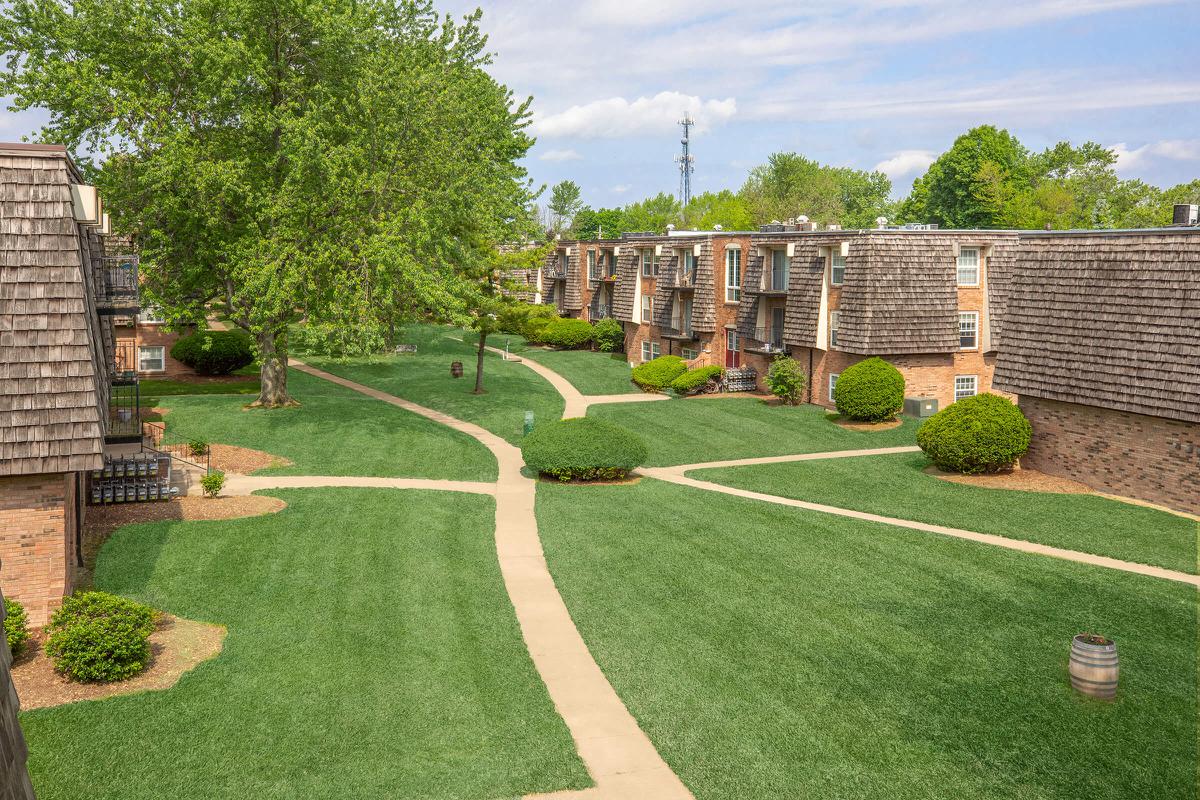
(599, 311)
(774, 283)
(117, 285)
(123, 366)
(685, 279)
(124, 413)
(768, 341)
(555, 273)
(683, 333)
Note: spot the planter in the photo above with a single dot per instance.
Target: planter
(1094, 666)
(456, 369)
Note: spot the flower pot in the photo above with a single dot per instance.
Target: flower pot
(1094, 666)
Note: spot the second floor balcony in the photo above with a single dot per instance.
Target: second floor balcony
(600, 311)
(767, 340)
(681, 331)
(117, 285)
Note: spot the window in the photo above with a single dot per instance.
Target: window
(151, 359)
(968, 266)
(779, 270)
(150, 315)
(832, 384)
(649, 264)
(965, 386)
(968, 329)
(733, 274)
(837, 269)
(688, 354)
(592, 265)
(834, 318)
(655, 350)
(687, 267)
(645, 351)
(563, 261)
(647, 308)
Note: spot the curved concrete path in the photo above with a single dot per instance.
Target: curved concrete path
(619, 756)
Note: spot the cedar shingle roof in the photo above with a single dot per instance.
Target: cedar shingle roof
(1106, 319)
(53, 386)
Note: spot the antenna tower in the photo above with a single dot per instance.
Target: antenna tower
(686, 161)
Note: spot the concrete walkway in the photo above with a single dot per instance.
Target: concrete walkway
(617, 753)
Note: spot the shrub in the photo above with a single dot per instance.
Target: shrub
(198, 447)
(537, 320)
(984, 433)
(212, 483)
(583, 449)
(214, 352)
(97, 636)
(608, 335)
(869, 391)
(659, 373)
(786, 380)
(16, 626)
(569, 333)
(692, 381)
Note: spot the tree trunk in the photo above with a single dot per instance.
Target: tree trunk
(272, 350)
(479, 363)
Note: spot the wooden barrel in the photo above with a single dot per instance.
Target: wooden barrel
(456, 369)
(1094, 666)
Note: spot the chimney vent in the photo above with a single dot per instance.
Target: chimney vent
(1186, 215)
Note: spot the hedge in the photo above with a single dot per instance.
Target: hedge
(658, 373)
(984, 433)
(215, 352)
(568, 333)
(16, 626)
(696, 379)
(96, 636)
(608, 335)
(869, 391)
(583, 449)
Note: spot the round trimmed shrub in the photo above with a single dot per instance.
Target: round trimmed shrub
(569, 333)
(536, 320)
(215, 352)
(583, 449)
(16, 626)
(608, 335)
(99, 637)
(659, 373)
(869, 391)
(786, 379)
(692, 381)
(984, 433)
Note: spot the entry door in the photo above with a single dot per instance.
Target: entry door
(733, 349)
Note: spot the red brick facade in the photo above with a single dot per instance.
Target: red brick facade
(39, 525)
(145, 334)
(1132, 455)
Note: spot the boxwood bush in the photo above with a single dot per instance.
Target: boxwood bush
(569, 333)
(582, 449)
(696, 379)
(215, 352)
(659, 373)
(16, 626)
(99, 637)
(608, 335)
(869, 391)
(536, 320)
(984, 433)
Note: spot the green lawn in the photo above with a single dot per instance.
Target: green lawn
(511, 388)
(895, 486)
(776, 653)
(708, 429)
(334, 431)
(152, 390)
(372, 652)
(589, 372)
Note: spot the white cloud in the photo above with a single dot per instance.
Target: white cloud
(617, 117)
(622, 188)
(560, 155)
(905, 163)
(1172, 149)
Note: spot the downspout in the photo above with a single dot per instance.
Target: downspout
(810, 375)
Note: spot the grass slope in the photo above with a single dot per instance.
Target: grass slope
(590, 373)
(372, 652)
(334, 431)
(776, 653)
(896, 486)
(709, 429)
(424, 377)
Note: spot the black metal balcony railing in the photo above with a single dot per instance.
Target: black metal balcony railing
(124, 366)
(124, 412)
(770, 340)
(600, 311)
(685, 279)
(684, 333)
(555, 273)
(117, 283)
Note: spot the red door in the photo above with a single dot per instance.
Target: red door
(733, 350)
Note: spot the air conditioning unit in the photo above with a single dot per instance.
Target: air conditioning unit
(1186, 215)
(920, 407)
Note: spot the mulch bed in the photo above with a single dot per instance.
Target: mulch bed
(176, 646)
(851, 425)
(243, 460)
(1022, 480)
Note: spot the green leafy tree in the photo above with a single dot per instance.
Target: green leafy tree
(565, 202)
(607, 223)
(281, 158)
(652, 214)
(985, 166)
(790, 185)
(723, 208)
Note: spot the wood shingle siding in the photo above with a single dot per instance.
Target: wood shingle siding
(53, 360)
(1109, 320)
(747, 313)
(806, 278)
(573, 291)
(628, 274)
(664, 287)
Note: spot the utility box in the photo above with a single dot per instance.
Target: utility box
(920, 407)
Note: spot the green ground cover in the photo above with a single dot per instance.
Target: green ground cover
(424, 377)
(777, 653)
(372, 652)
(896, 486)
(334, 431)
(715, 429)
(589, 372)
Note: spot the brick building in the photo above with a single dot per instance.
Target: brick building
(1107, 360)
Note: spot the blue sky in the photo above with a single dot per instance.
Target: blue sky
(871, 84)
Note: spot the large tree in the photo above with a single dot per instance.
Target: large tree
(565, 202)
(340, 161)
(790, 185)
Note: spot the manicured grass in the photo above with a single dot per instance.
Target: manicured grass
(710, 429)
(372, 652)
(895, 486)
(590, 373)
(334, 431)
(511, 389)
(776, 653)
(152, 390)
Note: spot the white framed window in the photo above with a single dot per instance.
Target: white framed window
(834, 319)
(837, 269)
(733, 274)
(968, 330)
(655, 350)
(780, 270)
(150, 315)
(965, 386)
(592, 273)
(564, 260)
(645, 350)
(647, 308)
(151, 358)
(688, 353)
(968, 266)
(649, 264)
(832, 383)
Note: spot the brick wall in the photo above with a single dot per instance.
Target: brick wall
(151, 335)
(14, 778)
(38, 526)
(1148, 458)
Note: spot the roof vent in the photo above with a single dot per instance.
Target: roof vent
(881, 222)
(1186, 215)
(800, 220)
(670, 227)
(718, 227)
(833, 226)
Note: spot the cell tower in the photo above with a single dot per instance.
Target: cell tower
(686, 161)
